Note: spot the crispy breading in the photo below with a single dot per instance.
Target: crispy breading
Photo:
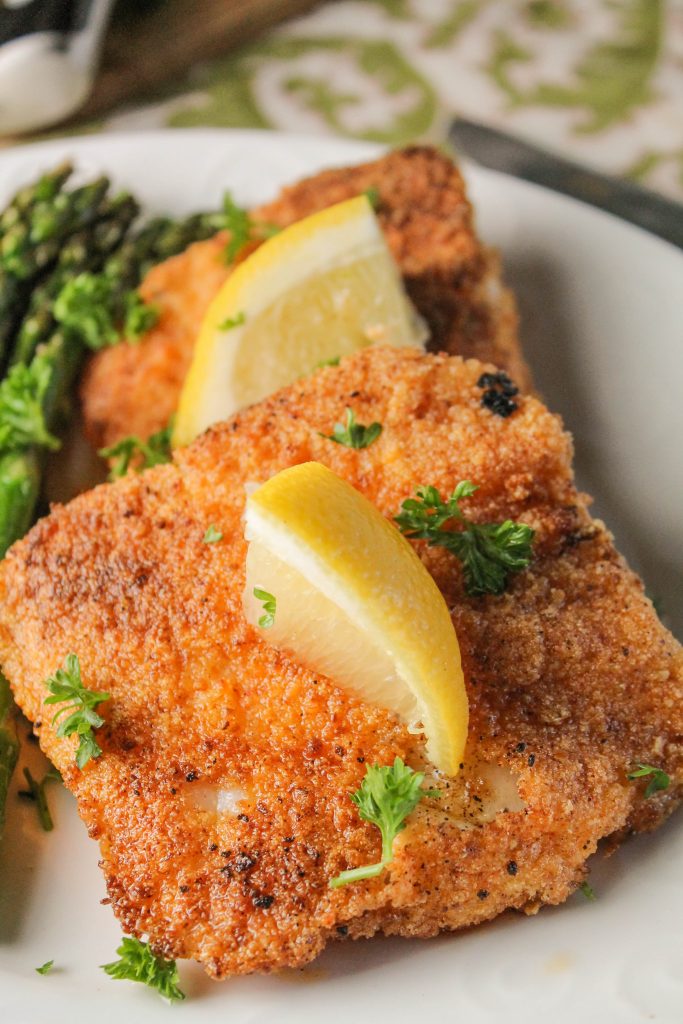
(423, 209)
(571, 680)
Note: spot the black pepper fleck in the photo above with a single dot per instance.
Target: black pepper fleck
(531, 760)
(343, 929)
(243, 862)
(520, 748)
(191, 776)
(213, 847)
(512, 867)
(243, 817)
(263, 901)
(184, 888)
(483, 894)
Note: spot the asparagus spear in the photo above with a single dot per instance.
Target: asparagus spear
(40, 191)
(9, 745)
(34, 242)
(30, 245)
(86, 250)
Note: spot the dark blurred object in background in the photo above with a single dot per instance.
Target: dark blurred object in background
(48, 53)
(49, 50)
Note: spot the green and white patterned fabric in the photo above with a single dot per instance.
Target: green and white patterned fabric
(600, 80)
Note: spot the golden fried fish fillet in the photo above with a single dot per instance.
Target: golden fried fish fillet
(453, 280)
(221, 800)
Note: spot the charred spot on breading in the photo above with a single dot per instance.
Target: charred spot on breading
(498, 393)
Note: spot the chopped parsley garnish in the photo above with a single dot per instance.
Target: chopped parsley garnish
(212, 535)
(352, 434)
(238, 222)
(242, 228)
(372, 195)
(387, 795)
(588, 891)
(46, 967)
(269, 604)
(138, 963)
(36, 792)
(92, 307)
(232, 321)
(66, 685)
(328, 362)
(153, 452)
(659, 781)
(489, 552)
(22, 395)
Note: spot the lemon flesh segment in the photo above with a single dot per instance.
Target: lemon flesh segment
(324, 287)
(355, 603)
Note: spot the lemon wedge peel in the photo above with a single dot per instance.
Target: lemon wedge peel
(313, 534)
(337, 258)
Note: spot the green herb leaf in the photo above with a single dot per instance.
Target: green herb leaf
(269, 605)
(327, 362)
(588, 891)
(139, 316)
(372, 194)
(387, 795)
(36, 792)
(242, 228)
(232, 321)
(92, 307)
(489, 552)
(212, 535)
(352, 434)
(138, 963)
(22, 397)
(238, 222)
(155, 451)
(66, 685)
(659, 781)
(46, 967)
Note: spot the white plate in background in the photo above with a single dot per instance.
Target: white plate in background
(601, 327)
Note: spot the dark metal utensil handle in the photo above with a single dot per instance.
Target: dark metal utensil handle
(502, 152)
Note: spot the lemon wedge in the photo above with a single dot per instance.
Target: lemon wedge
(322, 288)
(341, 588)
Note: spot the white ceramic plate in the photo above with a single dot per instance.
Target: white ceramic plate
(601, 326)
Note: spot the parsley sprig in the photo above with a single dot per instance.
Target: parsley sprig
(387, 795)
(269, 605)
(138, 963)
(659, 779)
(242, 228)
(93, 307)
(489, 552)
(352, 434)
(153, 452)
(66, 685)
(22, 400)
(45, 968)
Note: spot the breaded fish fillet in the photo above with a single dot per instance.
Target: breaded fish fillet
(221, 800)
(423, 209)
